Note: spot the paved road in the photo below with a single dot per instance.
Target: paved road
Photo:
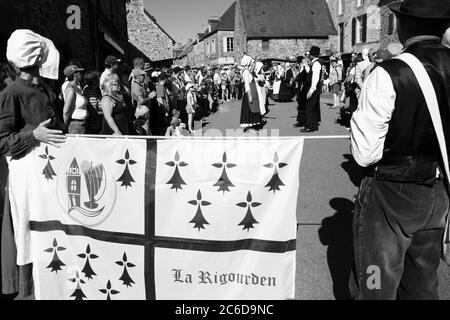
(329, 179)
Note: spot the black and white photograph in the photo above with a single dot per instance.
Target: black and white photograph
(225, 156)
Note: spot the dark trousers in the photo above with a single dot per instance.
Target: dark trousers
(398, 230)
(312, 113)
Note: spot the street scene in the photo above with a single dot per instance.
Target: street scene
(224, 150)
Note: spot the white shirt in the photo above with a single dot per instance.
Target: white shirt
(316, 68)
(370, 122)
(247, 78)
(217, 79)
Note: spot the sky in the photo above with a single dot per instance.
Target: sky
(183, 19)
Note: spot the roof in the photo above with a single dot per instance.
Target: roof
(227, 19)
(154, 20)
(226, 22)
(186, 49)
(287, 19)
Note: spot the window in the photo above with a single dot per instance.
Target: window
(265, 45)
(208, 49)
(213, 47)
(340, 7)
(73, 186)
(341, 37)
(359, 30)
(230, 44)
(392, 29)
(359, 3)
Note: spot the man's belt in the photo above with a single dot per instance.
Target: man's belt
(401, 161)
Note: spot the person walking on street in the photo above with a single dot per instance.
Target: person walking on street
(314, 87)
(403, 201)
(335, 81)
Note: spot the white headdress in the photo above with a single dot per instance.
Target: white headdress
(28, 49)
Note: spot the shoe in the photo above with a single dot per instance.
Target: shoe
(306, 130)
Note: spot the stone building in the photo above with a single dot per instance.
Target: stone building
(215, 46)
(147, 36)
(283, 29)
(363, 24)
(103, 28)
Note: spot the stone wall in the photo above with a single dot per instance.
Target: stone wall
(146, 35)
(240, 36)
(287, 48)
(377, 24)
(386, 38)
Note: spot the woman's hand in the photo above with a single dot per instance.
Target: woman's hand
(48, 136)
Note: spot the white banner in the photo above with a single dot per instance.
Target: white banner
(159, 219)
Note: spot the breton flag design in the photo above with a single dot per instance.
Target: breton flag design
(136, 219)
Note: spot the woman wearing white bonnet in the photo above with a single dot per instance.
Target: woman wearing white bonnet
(260, 86)
(27, 118)
(250, 111)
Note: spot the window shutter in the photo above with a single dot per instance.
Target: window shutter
(353, 31)
(364, 27)
(225, 48)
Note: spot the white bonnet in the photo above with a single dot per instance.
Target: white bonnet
(27, 49)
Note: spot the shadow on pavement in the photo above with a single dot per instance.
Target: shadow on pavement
(336, 233)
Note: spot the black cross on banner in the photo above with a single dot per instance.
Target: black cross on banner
(149, 240)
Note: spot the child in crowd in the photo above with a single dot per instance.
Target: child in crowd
(176, 128)
(191, 106)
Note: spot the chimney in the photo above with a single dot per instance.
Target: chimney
(213, 24)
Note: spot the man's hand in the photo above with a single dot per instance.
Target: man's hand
(51, 137)
(152, 95)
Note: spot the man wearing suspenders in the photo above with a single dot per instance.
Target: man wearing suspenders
(402, 205)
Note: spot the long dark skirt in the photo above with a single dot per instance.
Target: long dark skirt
(311, 115)
(286, 93)
(249, 118)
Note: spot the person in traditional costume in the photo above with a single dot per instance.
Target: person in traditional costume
(27, 118)
(286, 91)
(250, 112)
(277, 82)
(302, 90)
(314, 86)
(261, 87)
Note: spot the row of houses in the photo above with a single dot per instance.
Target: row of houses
(286, 29)
(266, 29)
(123, 28)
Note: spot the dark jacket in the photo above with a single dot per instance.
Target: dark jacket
(23, 107)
